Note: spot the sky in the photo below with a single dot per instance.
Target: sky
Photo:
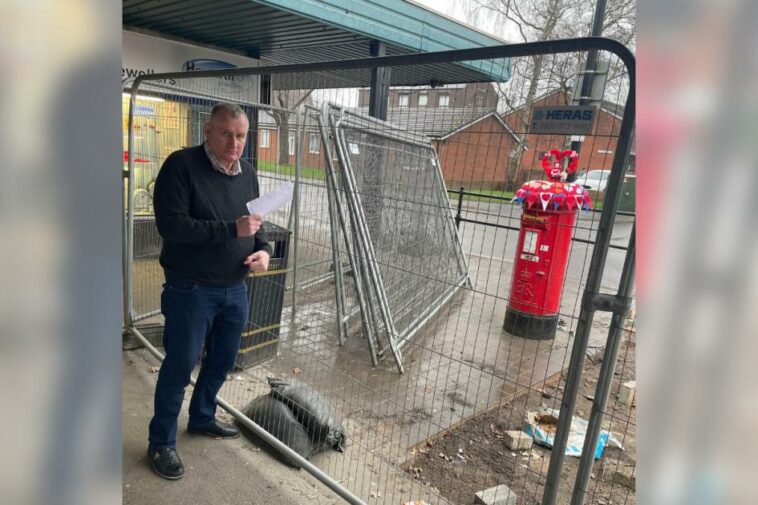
(456, 9)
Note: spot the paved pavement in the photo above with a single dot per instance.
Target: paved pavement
(220, 472)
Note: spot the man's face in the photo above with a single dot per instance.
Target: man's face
(226, 136)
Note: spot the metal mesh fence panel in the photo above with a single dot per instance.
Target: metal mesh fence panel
(439, 431)
(406, 213)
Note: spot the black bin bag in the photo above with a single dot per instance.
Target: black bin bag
(277, 418)
(312, 411)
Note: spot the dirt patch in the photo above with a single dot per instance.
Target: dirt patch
(474, 457)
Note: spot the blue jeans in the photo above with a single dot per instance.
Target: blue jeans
(195, 314)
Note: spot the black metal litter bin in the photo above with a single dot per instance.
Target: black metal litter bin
(260, 338)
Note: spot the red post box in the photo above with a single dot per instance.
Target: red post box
(547, 224)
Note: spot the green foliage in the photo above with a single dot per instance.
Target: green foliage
(289, 170)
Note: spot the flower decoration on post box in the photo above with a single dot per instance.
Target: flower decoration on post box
(555, 170)
(555, 194)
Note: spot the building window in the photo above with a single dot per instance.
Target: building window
(443, 101)
(263, 138)
(291, 144)
(314, 143)
(479, 101)
(423, 100)
(403, 101)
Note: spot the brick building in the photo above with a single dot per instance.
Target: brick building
(596, 151)
(498, 152)
(474, 97)
(476, 154)
(477, 148)
(268, 144)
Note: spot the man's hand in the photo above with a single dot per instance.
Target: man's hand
(258, 261)
(247, 226)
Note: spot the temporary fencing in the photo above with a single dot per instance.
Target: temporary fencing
(387, 300)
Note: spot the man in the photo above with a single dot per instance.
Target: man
(209, 247)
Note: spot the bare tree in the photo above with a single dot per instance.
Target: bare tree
(289, 100)
(541, 20)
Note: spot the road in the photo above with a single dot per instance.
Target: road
(482, 241)
(485, 241)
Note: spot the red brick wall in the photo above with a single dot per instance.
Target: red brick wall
(476, 157)
(271, 153)
(479, 156)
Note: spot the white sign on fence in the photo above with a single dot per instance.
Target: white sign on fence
(566, 119)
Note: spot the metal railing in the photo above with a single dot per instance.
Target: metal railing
(462, 193)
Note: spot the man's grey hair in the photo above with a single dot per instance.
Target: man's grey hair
(233, 110)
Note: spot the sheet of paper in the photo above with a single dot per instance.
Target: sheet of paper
(268, 203)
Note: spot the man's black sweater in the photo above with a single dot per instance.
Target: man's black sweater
(196, 208)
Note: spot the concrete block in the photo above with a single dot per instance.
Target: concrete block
(498, 495)
(627, 393)
(517, 440)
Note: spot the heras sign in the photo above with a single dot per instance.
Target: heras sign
(567, 119)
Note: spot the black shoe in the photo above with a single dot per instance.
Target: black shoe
(166, 463)
(216, 429)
